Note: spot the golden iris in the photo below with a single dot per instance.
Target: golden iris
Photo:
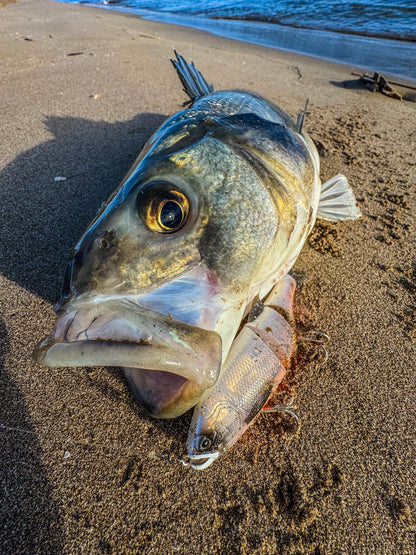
(167, 211)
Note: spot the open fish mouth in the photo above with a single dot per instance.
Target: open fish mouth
(119, 332)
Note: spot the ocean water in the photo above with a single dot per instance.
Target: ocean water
(373, 34)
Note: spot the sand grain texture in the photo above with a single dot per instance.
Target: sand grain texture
(79, 478)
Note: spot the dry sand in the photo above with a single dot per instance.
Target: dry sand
(79, 478)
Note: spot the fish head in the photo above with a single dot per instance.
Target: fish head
(136, 294)
(214, 428)
(161, 279)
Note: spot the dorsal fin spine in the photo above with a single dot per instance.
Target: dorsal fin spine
(301, 117)
(194, 83)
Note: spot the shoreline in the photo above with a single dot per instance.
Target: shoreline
(83, 90)
(347, 32)
(334, 46)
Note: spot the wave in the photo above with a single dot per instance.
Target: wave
(375, 49)
(394, 19)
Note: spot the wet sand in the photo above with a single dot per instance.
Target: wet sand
(81, 91)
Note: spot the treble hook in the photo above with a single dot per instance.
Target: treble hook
(320, 339)
(283, 408)
(166, 456)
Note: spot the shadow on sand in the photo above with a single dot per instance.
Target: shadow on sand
(29, 518)
(352, 84)
(40, 221)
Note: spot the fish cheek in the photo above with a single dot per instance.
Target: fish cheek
(136, 261)
(161, 262)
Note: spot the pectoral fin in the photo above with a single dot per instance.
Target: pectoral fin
(337, 201)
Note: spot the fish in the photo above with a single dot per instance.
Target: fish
(182, 278)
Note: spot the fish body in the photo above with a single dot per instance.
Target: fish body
(212, 215)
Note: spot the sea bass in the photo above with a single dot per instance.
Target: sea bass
(207, 223)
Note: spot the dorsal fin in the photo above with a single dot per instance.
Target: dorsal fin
(194, 83)
(301, 117)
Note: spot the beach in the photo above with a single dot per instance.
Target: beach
(82, 89)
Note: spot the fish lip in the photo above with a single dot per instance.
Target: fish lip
(166, 343)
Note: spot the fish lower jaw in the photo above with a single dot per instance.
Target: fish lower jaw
(121, 333)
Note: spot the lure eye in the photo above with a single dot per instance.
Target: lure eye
(163, 209)
(205, 443)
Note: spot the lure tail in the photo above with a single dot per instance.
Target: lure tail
(194, 83)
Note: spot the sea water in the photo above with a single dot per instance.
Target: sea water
(374, 34)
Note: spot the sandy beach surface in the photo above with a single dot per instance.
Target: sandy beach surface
(81, 90)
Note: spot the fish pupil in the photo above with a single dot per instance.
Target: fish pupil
(171, 215)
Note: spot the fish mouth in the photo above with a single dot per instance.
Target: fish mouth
(120, 332)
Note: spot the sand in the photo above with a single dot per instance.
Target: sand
(81, 91)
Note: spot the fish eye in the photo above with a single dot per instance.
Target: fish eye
(205, 443)
(163, 209)
(170, 215)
